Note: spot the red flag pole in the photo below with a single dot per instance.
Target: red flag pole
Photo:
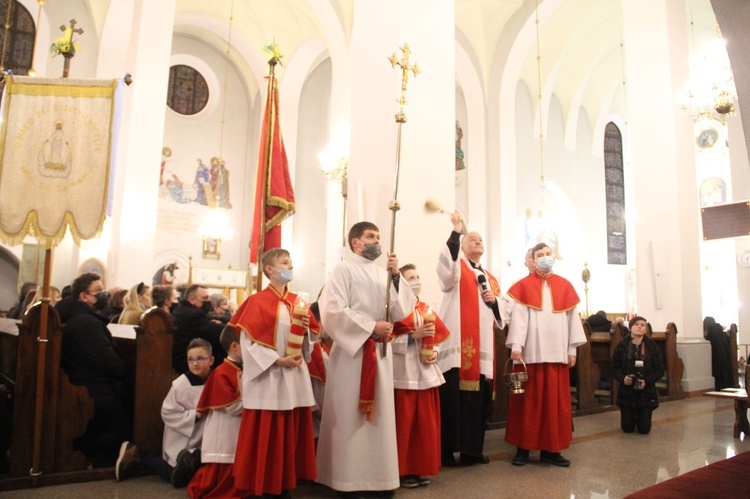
(270, 116)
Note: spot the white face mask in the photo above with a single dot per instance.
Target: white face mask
(545, 263)
(415, 286)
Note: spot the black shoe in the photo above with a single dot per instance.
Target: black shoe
(468, 459)
(350, 495)
(554, 458)
(521, 457)
(386, 494)
(409, 482)
(127, 456)
(423, 481)
(183, 470)
(448, 459)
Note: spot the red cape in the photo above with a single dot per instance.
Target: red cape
(222, 387)
(407, 325)
(528, 291)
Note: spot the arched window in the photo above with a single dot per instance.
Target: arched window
(17, 39)
(188, 90)
(615, 196)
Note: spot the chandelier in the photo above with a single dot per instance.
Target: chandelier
(710, 92)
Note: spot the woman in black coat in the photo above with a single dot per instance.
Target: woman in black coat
(637, 366)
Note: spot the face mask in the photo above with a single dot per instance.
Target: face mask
(206, 306)
(371, 251)
(284, 275)
(415, 286)
(102, 300)
(172, 307)
(545, 263)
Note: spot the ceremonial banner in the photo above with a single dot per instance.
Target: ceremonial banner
(279, 193)
(55, 153)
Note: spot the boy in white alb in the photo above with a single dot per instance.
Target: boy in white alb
(183, 425)
(275, 447)
(221, 404)
(416, 378)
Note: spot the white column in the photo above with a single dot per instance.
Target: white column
(149, 44)
(427, 151)
(664, 178)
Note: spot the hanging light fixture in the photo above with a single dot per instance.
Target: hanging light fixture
(710, 92)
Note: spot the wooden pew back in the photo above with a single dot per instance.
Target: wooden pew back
(584, 376)
(153, 378)
(499, 404)
(733, 361)
(673, 365)
(67, 408)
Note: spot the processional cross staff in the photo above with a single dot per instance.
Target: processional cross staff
(42, 339)
(69, 54)
(394, 205)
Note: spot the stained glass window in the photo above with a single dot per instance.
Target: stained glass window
(614, 186)
(188, 90)
(17, 40)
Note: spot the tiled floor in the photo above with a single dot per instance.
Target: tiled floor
(607, 463)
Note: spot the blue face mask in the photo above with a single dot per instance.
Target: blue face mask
(284, 275)
(545, 263)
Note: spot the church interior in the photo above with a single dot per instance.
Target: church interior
(615, 131)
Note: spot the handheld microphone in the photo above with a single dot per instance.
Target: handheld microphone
(482, 280)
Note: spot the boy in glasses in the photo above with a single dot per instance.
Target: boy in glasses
(183, 426)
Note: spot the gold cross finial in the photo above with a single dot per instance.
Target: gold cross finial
(73, 28)
(405, 66)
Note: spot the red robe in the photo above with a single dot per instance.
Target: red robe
(221, 390)
(542, 418)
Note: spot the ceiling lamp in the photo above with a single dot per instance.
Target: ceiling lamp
(710, 92)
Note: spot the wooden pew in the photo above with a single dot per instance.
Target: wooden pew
(153, 378)
(584, 376)
(67, 408)
(602, 347)
(733, 361)
(671, 387)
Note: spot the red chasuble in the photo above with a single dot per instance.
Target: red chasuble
(528, 291)
(470, 302)
(258, 315)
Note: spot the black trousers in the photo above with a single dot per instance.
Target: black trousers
(463, 415)
(632, 417)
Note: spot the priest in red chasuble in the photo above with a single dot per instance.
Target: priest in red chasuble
(544, 332)
(466, 359)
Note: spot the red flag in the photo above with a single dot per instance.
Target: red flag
(273, 171)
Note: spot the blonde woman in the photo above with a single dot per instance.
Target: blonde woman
(137, 301)
(54, 298)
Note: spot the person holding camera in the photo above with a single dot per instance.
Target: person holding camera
(637, 366)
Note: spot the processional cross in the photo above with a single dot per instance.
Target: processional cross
(394, 205)
(405, 66)
(69, 54)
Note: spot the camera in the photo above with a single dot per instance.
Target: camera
(637, 375)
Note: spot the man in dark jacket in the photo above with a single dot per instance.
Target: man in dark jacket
(90, 358)
(192, 321)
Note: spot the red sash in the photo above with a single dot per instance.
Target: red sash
(528, 291)
(258, 315)
(317, 364)
(367, 378)
(470, 301)
(221, 388)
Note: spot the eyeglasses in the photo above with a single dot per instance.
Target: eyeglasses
(197, 360)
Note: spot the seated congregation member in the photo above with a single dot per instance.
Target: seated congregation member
(16, 312)
(90, 358)
(192, 321)
(183, 424)
(165, 297)
(470, 310)
(221, 405)
(637, 366)
(275, 447)
(220, 310)
(115, 306)
(416, 378)
(599, 322)
(54, 297)
(545, 331)
(137, 301)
